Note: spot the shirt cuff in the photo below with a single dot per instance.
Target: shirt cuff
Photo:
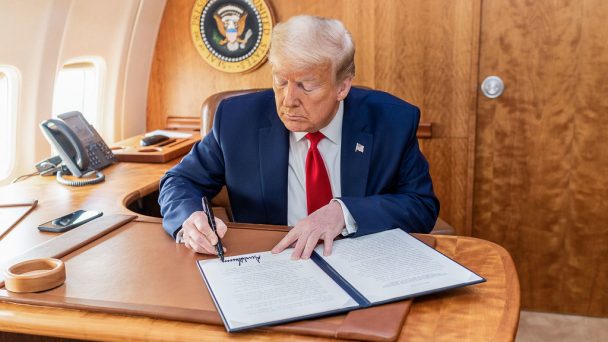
(179, 237)
(349, 221)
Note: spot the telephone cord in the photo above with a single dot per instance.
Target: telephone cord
(99, 177)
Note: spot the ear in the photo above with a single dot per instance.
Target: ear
(344, 87)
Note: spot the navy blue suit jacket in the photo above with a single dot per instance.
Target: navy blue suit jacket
(387, 186)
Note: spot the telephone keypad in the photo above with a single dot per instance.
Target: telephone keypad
(99, 155)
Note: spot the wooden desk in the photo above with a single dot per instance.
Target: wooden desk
(488, 311)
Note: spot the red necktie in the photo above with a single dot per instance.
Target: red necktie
(318, 188)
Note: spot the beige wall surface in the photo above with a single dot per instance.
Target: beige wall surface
(30, 40)
(39, 36)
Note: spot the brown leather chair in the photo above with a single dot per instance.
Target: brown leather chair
(212, 102)
(208, 109)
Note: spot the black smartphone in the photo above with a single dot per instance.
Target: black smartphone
(69, 221)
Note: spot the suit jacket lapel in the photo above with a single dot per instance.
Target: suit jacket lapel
(274, 159)
(356, 150)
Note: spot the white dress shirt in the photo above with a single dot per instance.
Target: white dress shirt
(330, 149)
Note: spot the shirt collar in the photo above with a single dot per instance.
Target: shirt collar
(333, 131)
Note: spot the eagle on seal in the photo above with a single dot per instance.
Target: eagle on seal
(231, 30)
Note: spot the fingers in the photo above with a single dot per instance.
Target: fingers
(324, 224)
(198, 243)
(202, 225)
(311, 243)
(221, 227)
(328, 244)
(298, 249)
(201, 249)
(285, 242)
(198, 236)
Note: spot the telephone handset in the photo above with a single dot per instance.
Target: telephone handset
(80, 147)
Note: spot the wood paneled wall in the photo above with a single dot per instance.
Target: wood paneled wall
(422, 51)
(541, 181)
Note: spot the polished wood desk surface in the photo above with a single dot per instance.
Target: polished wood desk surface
(488, 311)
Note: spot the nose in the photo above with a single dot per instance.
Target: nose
(290, 95)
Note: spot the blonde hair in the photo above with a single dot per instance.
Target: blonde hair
(305, 41)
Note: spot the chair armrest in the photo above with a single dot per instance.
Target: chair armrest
(443, 228)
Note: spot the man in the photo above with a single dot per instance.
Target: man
(325, 158)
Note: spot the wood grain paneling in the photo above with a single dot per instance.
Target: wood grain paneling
(541, 160)
(446, 156)
(422, 51)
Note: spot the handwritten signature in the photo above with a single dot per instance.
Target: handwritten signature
(241, 260)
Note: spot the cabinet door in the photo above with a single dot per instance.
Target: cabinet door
(541, 153)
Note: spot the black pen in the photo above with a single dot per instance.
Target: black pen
(211, 220)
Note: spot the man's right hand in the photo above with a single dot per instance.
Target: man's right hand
(198, 236)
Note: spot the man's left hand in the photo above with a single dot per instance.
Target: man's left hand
(324, 224)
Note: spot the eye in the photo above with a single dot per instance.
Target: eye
(279, 81)
(307, 87)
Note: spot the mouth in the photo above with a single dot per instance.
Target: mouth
(293, 116)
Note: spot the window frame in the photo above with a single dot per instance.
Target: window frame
(99, 67)
(13, 79)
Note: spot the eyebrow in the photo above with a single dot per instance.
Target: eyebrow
(313, 81)
(304, 79)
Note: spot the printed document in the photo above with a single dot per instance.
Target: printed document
(252, 289)
(393, 264)
(259, 289)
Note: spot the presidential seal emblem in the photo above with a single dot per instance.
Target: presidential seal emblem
(232, 35)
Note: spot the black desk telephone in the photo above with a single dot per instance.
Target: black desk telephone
(80, 147)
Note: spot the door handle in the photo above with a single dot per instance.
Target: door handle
(492, 87)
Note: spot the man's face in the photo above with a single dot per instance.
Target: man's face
(307, 99)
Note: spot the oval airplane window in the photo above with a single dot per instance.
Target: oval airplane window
(78, 88)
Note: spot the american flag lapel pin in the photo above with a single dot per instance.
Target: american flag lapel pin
(359, 148)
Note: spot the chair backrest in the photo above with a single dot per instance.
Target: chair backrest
(211, 103)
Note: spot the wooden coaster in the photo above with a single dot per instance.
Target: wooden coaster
(35, 275)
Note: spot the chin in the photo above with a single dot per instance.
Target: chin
(296, 126)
